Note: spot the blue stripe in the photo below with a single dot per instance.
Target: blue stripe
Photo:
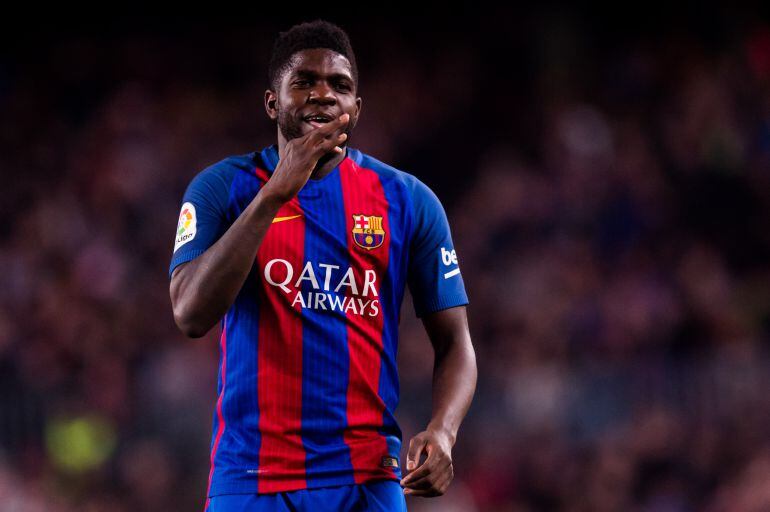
(215, 422)
(325, 358)
(391, 294)
(238, 451)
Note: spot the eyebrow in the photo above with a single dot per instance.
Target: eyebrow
(306, 73)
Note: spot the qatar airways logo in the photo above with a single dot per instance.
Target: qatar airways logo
(334, 289)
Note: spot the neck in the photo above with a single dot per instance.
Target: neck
(326, 163)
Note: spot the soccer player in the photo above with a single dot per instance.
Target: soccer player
(302, 250)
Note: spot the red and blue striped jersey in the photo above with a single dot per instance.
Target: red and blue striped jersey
(308, 383)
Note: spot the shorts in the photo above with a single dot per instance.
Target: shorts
(380, 495)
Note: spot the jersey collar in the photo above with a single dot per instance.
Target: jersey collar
(270, 156)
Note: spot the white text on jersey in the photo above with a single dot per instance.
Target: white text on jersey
(333, 290)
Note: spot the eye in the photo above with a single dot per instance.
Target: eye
(302, 82)
(343, 87)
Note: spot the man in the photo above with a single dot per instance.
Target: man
(302, 250)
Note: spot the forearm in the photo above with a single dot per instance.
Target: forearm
(206, 290)
(454, 383)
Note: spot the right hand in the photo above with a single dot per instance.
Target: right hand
(300, 157)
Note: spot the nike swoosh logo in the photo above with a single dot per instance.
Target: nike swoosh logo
(281, 219)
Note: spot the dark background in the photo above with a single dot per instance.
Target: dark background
(606, 173)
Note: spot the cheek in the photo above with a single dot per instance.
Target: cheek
(350, 108)
(289, 102)
(285, 118)
(287, 108)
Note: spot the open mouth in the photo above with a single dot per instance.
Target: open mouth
(317, 120)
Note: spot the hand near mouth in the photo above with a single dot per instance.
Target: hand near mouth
(300, 156)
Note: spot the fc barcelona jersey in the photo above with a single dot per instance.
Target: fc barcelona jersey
(308, 383)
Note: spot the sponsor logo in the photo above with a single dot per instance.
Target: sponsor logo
(367, 231)
(332, 288)
(449, 258)
(283, 219)
(186, 227)
(389, 462)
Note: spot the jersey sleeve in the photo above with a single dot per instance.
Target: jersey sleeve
(202, 217)
(433, 273)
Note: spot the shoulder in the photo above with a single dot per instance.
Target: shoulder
(416, 189)
(217, 178)
(212, 186)
(226, 169)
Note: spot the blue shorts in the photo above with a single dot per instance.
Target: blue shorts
(381, 495)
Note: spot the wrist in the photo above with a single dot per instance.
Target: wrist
(269, 200)
(443, 430)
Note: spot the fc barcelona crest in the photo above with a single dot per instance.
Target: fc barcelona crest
(367, 231)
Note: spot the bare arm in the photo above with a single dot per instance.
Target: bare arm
(454, 382)
(203, 289)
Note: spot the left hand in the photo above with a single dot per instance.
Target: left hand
(435, 474)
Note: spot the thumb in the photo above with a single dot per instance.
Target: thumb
(416, 446)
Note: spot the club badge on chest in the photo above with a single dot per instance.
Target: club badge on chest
(368, 231)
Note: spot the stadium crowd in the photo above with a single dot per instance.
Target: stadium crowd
(609, 203)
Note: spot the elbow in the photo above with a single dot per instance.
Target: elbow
(191, 330)
(187, 314)
(188, 322)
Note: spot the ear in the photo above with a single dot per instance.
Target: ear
(271, 100)
(359, 102)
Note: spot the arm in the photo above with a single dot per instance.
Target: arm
(454, 382)
(203, 289)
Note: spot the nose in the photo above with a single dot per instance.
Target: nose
(322, 94)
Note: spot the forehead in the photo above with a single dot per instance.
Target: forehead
(321, 61)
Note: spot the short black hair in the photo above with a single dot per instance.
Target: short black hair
(314, 34)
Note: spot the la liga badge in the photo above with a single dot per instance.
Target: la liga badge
(186, 227)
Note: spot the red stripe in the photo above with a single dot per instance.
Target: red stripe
(363, 195)
(220, 417)
(281, 455)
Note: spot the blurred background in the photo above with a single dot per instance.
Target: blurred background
(607, 179)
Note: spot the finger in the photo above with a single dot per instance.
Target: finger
(416, 447)
(334, 141)
(437, 489)
(327, 142)
(419, 473)
(436, 474)
(327, 129)
(333, 144)
(425, 468)
(427, 493)
(336, 123)
(432, 472)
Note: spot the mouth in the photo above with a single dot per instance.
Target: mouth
(317, 120)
